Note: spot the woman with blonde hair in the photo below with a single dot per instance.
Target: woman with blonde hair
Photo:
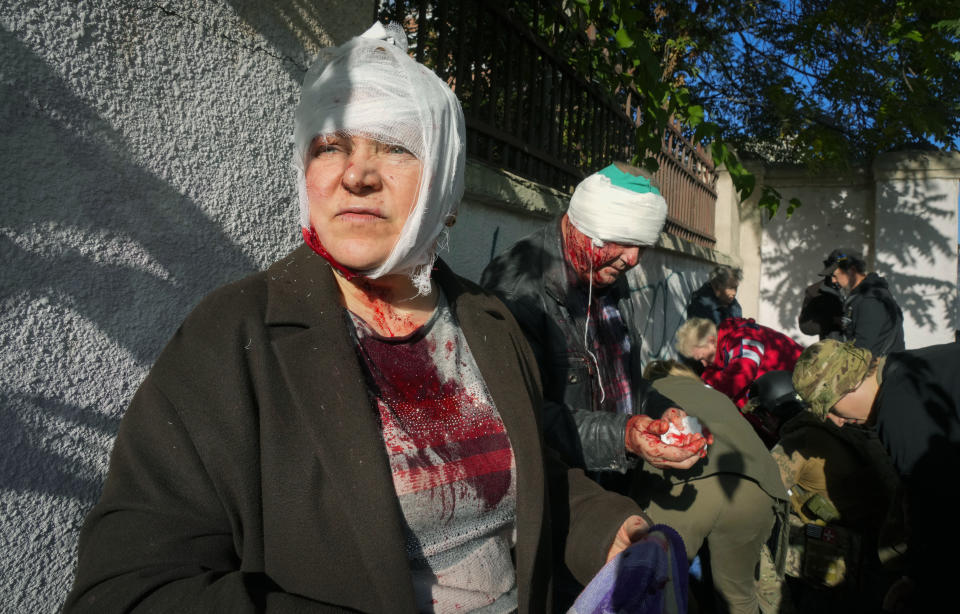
(657, 369)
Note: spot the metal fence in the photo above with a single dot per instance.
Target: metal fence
(688, 181)
(529, 111)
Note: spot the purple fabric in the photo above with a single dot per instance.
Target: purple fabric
(649, 577)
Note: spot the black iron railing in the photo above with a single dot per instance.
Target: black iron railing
(529, 111)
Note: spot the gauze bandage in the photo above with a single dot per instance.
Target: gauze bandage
(614, 206)
(370, 87)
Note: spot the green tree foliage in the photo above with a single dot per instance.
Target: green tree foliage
(818, 82)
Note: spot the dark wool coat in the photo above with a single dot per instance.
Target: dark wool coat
(249, 473)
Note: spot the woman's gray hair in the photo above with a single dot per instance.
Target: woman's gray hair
(722, 275)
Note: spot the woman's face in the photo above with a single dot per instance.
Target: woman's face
(728, 293)
(360, 192)
(705, 354)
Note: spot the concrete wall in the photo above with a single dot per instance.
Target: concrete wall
(661, 286)
(901, 214)
(498, 209)
(144, 160)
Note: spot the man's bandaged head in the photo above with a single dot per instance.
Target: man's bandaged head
(370, 87)
(614, 206)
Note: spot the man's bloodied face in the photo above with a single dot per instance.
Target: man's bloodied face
(603, 265)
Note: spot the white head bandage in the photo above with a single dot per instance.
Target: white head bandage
(611, 205)
(370, 87)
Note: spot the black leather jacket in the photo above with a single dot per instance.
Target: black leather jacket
(531, 278)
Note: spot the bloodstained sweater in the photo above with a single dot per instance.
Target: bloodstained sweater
(452, 463)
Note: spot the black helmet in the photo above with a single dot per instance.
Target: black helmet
(774, 390)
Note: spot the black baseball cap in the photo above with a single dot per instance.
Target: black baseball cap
(836, 257)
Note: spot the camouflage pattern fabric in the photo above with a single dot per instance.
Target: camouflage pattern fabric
(828, 370)
(772, 592)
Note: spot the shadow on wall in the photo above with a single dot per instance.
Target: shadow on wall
(85, 225)
(102, 259)
(62, 472)
(291, 27)
(910, 239)
(85, 231)
(794, 250)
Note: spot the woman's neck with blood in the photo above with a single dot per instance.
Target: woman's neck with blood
(390, 305)
(310, 238)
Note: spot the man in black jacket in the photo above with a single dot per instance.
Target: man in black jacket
(565, 286)
(871, 317)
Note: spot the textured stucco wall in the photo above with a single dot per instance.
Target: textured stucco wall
(144, 160)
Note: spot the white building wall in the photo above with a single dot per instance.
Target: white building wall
(836, 212)
(144, 160)
(901, 214)
(916, 241)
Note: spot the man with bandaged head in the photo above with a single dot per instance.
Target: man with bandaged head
(565, 285)
(356, 427)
